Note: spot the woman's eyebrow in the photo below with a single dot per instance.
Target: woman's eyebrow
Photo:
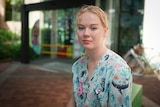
(80, 24)
(94, 24)
(84, 25)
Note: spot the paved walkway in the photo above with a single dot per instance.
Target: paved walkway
(36, 86)
(28, 86)
(151, 88)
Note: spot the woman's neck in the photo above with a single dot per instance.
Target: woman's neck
(94, 57)
(96, 54)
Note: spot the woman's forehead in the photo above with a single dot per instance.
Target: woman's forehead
(88, 17)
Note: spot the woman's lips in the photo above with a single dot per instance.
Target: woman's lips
(86, 41)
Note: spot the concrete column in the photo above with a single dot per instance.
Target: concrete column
(2, 14)
(54, 33)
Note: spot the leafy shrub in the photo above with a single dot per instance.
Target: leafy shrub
(10, 46)
(13, 6)
(7, 36)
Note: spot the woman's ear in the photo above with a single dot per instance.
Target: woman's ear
(106, 29)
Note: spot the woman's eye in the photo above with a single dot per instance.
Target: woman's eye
(93, 28)
(80, 28)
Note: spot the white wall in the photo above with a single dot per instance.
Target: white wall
(151, 25)
(31, 1)
(14, 26)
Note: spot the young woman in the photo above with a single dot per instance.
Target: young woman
(101, 78)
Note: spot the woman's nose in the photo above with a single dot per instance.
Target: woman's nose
(86, 32)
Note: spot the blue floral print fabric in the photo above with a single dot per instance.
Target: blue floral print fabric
(109, 86)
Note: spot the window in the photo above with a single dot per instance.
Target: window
(13, 10)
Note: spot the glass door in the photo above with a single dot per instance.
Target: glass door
(130, 24)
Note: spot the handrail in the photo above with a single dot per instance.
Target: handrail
(58, 45)
(57, 53)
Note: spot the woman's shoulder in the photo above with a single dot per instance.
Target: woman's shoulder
(79, 64)
(116, 58)
(116, 63)
(80, 60)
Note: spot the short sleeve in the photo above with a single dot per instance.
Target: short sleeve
(121, 88)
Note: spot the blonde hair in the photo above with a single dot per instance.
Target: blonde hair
(94, 9)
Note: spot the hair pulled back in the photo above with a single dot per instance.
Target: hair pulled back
(93, 9)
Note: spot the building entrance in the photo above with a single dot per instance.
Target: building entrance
(48, 27)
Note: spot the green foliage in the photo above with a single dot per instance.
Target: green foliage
(10, 46)
(7, 35)
(8, 10)
(13, 6)
(10, 51)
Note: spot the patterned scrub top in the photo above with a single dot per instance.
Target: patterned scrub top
(109, 86)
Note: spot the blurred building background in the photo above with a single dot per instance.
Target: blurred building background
(50, 32)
